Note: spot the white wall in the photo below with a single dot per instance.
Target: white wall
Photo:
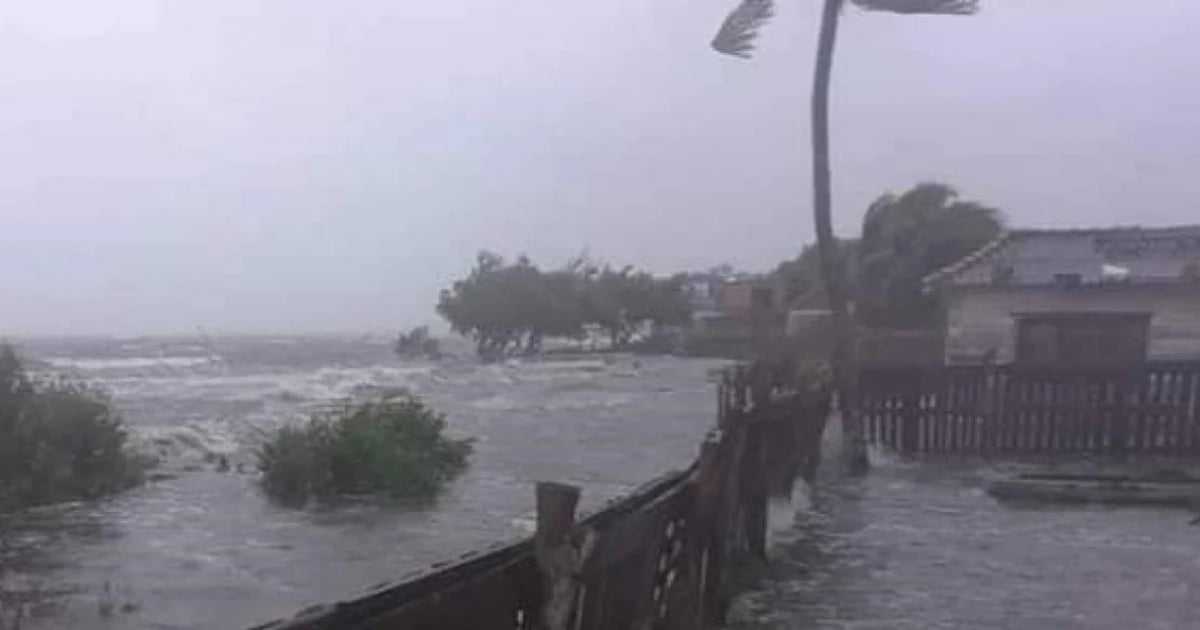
(980, 320)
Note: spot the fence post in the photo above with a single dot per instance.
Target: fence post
(812, 414)
(560, 549)
(753, 473)
(725, 519)
(691, 607)
(910, 417)
(1118, 433)
(993, 409)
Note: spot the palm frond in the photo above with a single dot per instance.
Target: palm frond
(926, 7)
(740, 28)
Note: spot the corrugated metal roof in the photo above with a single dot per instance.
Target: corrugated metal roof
(1037, 257)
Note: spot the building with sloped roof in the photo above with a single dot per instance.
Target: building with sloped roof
(1075, 296)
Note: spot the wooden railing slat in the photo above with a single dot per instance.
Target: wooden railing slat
(1151, 408)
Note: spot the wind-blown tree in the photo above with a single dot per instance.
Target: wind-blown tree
(621, 300)
(476, 306)
(801, 276)
(553, 310)
(736, 37)
(496, 304)
(508, 307)
(671, 306)
(905, 238)
(604, 300)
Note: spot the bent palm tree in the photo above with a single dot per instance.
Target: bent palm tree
(736, 37)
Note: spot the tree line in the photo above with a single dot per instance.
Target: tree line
(512, 307)
(904, 238)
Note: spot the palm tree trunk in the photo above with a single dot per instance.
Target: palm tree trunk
(845, 364)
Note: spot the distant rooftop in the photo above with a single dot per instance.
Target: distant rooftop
(1037, 257)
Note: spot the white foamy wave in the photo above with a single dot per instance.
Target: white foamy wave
(129, 363)
(576, 401)
(498, 402)
(287, 388)
(526, 523)
(558, 367)
(342, 383)
(186, 444)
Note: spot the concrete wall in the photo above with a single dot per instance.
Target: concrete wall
(981, 320)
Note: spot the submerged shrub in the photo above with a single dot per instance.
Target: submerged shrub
(392, 448)
(59, 440)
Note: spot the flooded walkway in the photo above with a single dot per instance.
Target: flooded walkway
(922, 546)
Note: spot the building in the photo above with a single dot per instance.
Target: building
(1075, 296)
(743, 300)
(703, 291)
(746, 319)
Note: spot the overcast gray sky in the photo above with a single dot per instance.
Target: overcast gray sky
(320, 165)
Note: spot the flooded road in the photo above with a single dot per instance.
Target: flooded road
(204, 549)
(921, 546)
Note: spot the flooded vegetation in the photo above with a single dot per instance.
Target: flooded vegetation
(202, 546)
(389, 448)
(60, 440)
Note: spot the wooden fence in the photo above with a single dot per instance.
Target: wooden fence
(1150, 408)
(661, 558)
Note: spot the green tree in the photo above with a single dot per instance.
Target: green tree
(905, 238)
(603, 301)
(487, 304)
(558, 312)
(736, 37)
(671, 306)
(472, 304)
(508, 307)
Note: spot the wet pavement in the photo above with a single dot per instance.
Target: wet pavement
(921, 546)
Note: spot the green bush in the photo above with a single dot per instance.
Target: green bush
(59, 441)
(392, 448)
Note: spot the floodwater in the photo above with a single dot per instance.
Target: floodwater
(917, 546)
(921, 546)
(203, 548)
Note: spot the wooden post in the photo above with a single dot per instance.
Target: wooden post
(709, 533)
(689, 603)
(561, 550)
(1118, 428)
(752, 473)
(812, 414)
(910, 417)
(997, 414)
